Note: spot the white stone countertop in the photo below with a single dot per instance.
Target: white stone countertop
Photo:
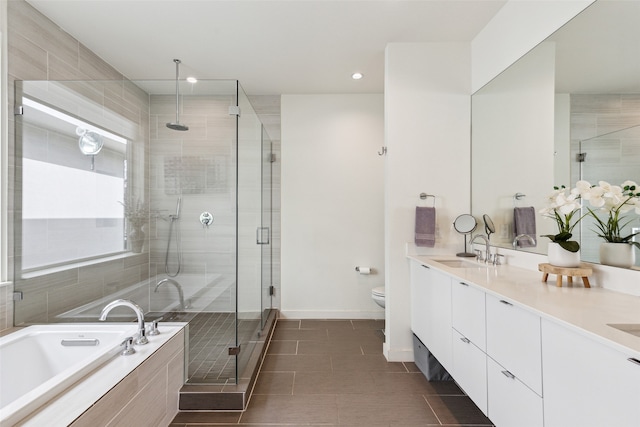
(585, 310)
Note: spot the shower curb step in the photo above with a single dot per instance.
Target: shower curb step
(234, 397)
(203, 398)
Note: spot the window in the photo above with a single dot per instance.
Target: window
(73, 184)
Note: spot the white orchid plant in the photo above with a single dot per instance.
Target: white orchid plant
(562, 206)
(614, 200)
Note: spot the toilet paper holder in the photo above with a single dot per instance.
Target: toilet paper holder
(364, 270)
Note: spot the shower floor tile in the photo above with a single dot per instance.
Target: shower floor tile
(332, 372)
(210, 337)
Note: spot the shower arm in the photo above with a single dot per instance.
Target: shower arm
(177, 61)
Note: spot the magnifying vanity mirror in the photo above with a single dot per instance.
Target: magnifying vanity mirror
(465, 224)
(489, 227)
(567, 110)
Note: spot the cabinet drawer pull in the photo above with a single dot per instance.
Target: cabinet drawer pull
(465, 340)
(508, 374)
(505, 302)
(634, 360)
(425, 266)
(464, 284)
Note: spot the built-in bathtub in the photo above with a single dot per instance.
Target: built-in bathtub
(40, 364)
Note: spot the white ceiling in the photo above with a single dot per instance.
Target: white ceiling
(271, 47)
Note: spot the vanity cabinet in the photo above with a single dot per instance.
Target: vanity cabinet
(431, 311)
(513, 340)
(510, 401)
(587, 383)
(468, 312)
(514, 364)
(469, 338)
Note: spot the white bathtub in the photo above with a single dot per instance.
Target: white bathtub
(40, 362)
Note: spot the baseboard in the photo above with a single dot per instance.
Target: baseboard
(316, 314)
(394, 355)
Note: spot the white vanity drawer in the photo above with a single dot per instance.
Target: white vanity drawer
(470, 369)
(513, 340)
(468, 312)
(511, 402)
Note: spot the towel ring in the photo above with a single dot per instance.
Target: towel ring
(425, 196)
(516, 197)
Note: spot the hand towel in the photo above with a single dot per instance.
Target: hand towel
(425, 226)
(524, 222)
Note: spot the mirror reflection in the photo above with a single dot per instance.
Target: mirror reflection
(568, 110)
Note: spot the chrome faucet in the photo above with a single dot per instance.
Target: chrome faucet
(487, 257)
(178, 287)
(141, 338)
(523, 236)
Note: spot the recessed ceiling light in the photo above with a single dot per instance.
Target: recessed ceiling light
(357, 76)
(192, 80)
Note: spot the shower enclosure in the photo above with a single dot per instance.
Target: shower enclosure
(111, 203)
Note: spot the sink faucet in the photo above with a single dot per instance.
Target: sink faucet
(178, 287)
(523, 236)
(141, 338)
(487, 257)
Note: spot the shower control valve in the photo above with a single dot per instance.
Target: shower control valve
(206, 219)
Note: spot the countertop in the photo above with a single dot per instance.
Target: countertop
(585, 310)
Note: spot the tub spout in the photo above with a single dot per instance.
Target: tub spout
(177, 286)
(141, 338)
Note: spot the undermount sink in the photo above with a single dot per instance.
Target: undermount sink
(630, 328)
(459, 263)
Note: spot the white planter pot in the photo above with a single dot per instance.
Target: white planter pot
(617, 254)
(561, 257)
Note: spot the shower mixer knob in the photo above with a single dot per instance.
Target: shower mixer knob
(206, 219)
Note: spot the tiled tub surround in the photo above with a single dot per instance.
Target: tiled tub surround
(557, 341)
(140, 389)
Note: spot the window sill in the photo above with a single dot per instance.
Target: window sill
(80, 264)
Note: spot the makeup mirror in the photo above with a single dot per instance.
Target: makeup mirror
(465, 224)
(489, 228)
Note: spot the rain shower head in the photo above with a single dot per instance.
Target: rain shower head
(177, 125)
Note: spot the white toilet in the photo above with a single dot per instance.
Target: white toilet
(377, 294)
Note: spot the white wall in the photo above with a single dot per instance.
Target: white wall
(332, 205)
(427, 131)
(517, 28)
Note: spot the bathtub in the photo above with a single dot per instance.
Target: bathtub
(41, 362)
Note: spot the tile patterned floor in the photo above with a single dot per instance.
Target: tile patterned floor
(210, 336)
(332, 372)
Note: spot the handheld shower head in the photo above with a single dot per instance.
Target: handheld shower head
(177, 125)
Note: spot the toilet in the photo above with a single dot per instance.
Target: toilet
(377, 294)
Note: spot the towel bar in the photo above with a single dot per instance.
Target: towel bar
(425, 196)
(516, 197)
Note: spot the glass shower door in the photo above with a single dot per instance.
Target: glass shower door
(266, 226)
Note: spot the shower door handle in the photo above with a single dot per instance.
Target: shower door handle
(262, 235)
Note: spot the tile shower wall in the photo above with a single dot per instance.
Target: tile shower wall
(613, 158)
(40, 50)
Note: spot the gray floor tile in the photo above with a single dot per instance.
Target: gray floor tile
(333, 372)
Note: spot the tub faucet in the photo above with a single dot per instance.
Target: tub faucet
(178, 287)
(520, 237)
(487, 257)
(141, 338)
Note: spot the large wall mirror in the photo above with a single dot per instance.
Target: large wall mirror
(577, 92)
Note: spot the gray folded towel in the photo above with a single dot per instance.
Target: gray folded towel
(524, 222)
(425, 226)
